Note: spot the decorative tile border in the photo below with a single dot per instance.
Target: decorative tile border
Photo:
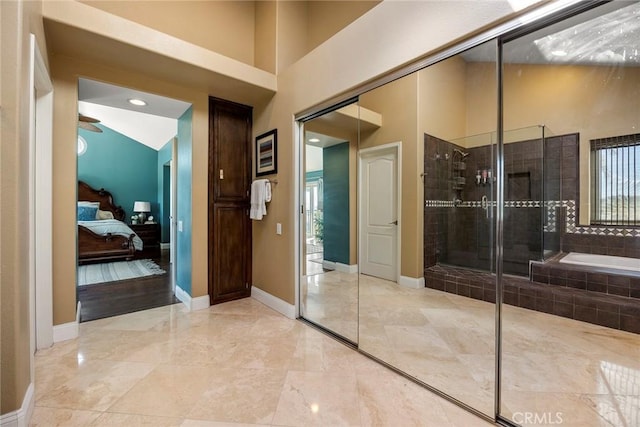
(607, 231)
(550, 206)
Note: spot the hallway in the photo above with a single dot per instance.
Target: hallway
(238, 362)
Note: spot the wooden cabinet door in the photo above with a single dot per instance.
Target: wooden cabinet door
(232, 259)
(231, 157)
(229, 182)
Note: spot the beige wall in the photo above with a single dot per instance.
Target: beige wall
(17, 20)
(326, 18)
(398, 32)
(265, 36)
(397, 102)
(304, 25)
(65, 73)
(443, 99)
(292, 33)
(226, 27)
(483, 96)
(595, 101)
(243, 30)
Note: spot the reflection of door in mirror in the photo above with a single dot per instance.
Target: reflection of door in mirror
(329, 282)
(433, 333)
(379, 212)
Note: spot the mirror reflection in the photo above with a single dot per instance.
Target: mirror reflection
(570, 325)
(329, 294)
(441, 334)
(414, 282)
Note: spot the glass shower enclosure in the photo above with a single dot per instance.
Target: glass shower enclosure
(463, 200)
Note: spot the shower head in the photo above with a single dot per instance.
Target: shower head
(462, 153)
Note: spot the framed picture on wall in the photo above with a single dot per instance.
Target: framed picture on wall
(267, 153)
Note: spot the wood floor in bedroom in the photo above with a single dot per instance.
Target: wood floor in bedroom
(126, 296)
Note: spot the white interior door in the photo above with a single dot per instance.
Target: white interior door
(379, 212)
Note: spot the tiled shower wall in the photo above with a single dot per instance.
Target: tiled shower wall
(458, 233)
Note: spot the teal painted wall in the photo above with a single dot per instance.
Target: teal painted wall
(336, 203)
(121, 165)
(164, 186)
(183, 244)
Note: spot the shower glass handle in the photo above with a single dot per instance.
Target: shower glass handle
(485, 205)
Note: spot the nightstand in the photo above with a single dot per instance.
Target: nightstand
(150, 235)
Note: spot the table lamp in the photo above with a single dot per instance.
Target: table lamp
(142, 208)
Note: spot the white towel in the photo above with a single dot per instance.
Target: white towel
(260, 194)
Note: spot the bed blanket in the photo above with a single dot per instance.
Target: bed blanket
(113, 226)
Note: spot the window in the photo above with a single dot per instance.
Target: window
(615, 180)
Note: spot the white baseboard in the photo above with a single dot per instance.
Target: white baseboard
(200, 303)
(338, 266)
(67, 331)
(411, 282)
(183, 296)
(347, 268)
(192, 304)
(164, 246)
(329, 265)
(22, 416)
(64, 332)
(273, 302)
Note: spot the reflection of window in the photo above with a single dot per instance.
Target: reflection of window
(615, 180)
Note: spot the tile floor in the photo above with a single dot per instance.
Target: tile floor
(587, 373)
(234, 364)
(330, 299)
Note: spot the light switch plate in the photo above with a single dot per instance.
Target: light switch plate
(278, 228)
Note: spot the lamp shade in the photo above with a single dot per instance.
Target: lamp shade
(142, 207)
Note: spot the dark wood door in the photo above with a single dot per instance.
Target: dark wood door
(229, 181)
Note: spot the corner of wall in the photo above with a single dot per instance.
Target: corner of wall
(20, 417)
(275, 303)
(67, 331)
(411, 282)
(192, 304)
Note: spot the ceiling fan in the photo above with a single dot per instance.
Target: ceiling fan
(86, 122)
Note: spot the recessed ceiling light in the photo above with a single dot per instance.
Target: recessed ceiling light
(559, 53)
(138, 102)
(314, 140)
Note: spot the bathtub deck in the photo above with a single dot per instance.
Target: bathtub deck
(574, 293)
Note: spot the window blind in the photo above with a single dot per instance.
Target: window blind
(615, 180)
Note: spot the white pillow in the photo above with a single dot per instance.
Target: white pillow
(91, 204)
(104, 214)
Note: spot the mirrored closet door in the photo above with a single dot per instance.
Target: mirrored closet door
(329, 270)
(441, 334)
(440, 208)
(570, 328)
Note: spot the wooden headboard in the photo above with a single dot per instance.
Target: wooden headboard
(88, 194)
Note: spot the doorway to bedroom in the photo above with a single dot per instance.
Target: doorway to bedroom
(129, 195)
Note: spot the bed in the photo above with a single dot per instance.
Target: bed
(108, 239)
